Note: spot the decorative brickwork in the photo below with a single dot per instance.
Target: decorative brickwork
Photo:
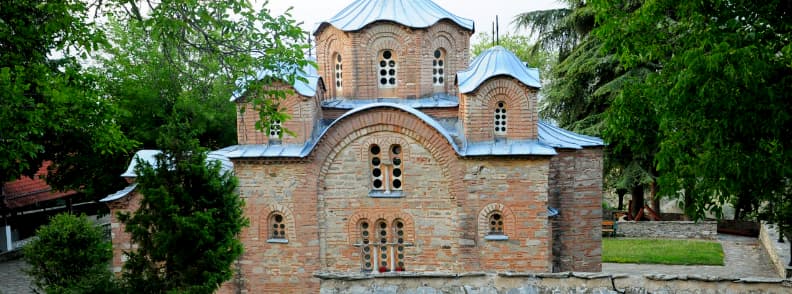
(477, 110)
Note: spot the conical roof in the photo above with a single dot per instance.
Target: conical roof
(496, 61)
(411, 13)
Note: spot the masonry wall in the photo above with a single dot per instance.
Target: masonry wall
(576, 190)
(304, 112)
(413, 50)
(268, 265)
(120, 239)
(477, 110)
(517, 187)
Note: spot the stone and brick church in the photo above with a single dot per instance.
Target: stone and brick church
(407, 157)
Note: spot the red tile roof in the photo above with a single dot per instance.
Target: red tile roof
(26, 191)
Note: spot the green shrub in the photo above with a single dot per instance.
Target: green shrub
(70, 255)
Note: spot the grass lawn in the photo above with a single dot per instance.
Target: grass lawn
(662, 251)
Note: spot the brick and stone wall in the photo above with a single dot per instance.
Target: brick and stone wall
(574, 282)
(576, 191)
(413, 51)
(120, 239)
(707, 230)
(304, 112)
(477, 109)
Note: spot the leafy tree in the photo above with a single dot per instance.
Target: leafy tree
(70, 255)
(582, 86)
(51, 109)
(720, 92)
(186, 228)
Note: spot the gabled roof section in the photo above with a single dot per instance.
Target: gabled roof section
(561, 138)
(26, 190)
(305, 88)
(411, 13)
(496, 61)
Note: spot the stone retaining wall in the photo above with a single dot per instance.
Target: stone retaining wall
(779, 252)
(673, 230)
(523, 283)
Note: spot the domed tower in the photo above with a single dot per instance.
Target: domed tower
(392, 49)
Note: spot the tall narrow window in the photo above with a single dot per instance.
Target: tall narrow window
(275, 129)
(376, 168)
(396, 172)
(366, 262)
(438, 68)
(387, 70)
(277, 226)
(398, 229)
(382, 234)
(496, 223)
(500, 119)
(339, 74)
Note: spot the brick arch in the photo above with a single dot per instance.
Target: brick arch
(387, 33)
(333, 44)
(384, 142)
(388, 119)
(264, 216)
(374, 216)
(519, 102)
(509, 220)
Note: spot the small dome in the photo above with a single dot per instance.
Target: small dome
(411, 13)
(496, 61)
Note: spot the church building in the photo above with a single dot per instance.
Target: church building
(407, 157)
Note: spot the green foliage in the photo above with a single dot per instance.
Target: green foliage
(720, 94)
(70, 255)
(180, 63)
(660, 251)
(186, 227)
(51, 109)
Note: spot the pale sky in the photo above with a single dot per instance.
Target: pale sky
(312, 12)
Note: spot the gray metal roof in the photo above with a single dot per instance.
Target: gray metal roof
(496, 61)
(305, 88)
(438, 100)
(494, 148)
(120, 194)
(411, 13)
(561, 138)
(150, 156)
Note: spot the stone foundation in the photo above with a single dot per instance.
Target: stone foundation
(707, 230)
(568, 282)
(779, 252)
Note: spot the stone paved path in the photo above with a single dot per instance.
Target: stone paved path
(744, 257)
(12, 279)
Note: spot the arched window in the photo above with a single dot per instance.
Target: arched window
(275, 130)
(376, 168)
(396, 172)
(366, 254)
(339, 73)
(387, 69)
(277, 226)
(398, 232)
(500, 119)
(382, 238)
(438, 68)
(495, 223)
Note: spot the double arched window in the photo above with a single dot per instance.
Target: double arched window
(387, 69)
(438, 68)
(500, 119)
(387, 171)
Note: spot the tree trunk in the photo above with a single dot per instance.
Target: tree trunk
(637, 199)
(655, 200)
(621, 193)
